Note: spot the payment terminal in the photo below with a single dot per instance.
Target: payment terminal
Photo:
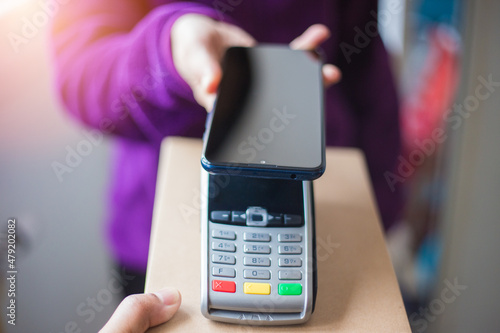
(258, 250)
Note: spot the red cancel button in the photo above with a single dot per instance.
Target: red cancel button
(224, 286)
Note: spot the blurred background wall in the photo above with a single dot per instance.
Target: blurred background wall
(61, 258)
(470, 216)
(445, 250)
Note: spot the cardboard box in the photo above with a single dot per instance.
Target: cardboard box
(357, 287)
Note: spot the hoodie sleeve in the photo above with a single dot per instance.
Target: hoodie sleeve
(114, 69)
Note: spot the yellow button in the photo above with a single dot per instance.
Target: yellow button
(257, 288)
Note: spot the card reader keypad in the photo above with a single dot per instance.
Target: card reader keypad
(244, 260)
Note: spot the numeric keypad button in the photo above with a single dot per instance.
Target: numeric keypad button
(256, 261)
(282, 238)
(223, 246)
(224, 272)
(289, 249)
(290, 262)
(223, 259)
(290, 275)
(256, 237)
(259, 274)
(223, 234)
(257, 248)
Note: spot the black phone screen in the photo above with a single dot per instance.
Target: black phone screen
(237, 193)
(269, 112)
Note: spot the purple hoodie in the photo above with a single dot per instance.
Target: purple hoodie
(115, 73)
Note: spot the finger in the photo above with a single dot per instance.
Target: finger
(206, 76)
(232, 35)
(228, 35)
(195, 50)
(208, 101)
(331, 74)
(137, 313)
(311, 38)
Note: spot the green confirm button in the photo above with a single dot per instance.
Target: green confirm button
(290, 289)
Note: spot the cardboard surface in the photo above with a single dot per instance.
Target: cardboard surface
(357, 288)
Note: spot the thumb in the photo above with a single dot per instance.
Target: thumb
(138, 313)
(210, 79)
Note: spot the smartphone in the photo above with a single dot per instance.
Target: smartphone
(258, 250)
(268, 118)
